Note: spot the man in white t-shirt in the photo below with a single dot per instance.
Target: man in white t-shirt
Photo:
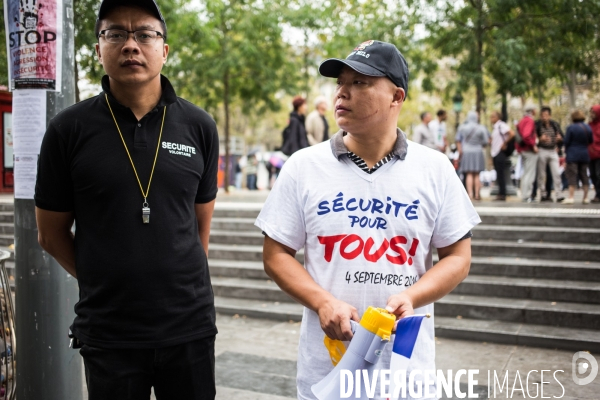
(438, 128)
(501, 136)
(368, 206)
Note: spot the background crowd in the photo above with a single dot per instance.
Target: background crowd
(548, 158)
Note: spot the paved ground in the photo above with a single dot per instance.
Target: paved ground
(265, 353)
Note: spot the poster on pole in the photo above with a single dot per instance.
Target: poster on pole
(28, 121)
(34, 43)
(25, 174)
(28, 128)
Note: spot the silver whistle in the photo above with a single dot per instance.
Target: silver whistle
(146, 215)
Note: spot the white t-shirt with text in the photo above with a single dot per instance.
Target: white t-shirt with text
(366, 236)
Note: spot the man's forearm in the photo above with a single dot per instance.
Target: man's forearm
(62, 248)
(440, 280)
(292, 278)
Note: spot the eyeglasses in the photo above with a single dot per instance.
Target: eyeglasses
(142, 36)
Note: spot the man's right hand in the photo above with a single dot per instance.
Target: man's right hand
(335, 316)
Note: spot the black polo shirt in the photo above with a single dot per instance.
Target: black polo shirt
(141, 285)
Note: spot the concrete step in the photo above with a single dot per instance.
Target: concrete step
(464, 328)
(570, 315)
(535, 268)
(237, 269)
(253, 289)
(575, 339)
(545, 251)
(7, 239)
(237, 210)
(533, 250)
(7, 207)
(530, 288)
(533, 217)
(234, 224)
(507, 295)
(241, 253)
(280, 311)
(7, 216)
(7, 228)
(496, 266)
(253, 237)
(558, 217)
(520, 233)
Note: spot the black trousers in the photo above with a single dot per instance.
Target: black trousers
(182, 372)
(500, 166)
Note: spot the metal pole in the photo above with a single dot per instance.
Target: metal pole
(45, 293)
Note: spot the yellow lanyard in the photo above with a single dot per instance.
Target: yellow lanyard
(146, 214)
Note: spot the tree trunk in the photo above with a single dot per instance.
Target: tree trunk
(306, 85)
(540, 96)
(226, 106)
(572, 90)
(504, 107)
(479, 58)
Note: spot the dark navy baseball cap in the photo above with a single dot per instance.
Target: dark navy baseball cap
(107, 5)
(371, 58)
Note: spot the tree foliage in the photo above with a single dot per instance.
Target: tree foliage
(521, 45)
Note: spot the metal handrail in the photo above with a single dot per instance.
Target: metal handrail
(8, 345)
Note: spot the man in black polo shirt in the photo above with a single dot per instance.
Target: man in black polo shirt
(135, 167)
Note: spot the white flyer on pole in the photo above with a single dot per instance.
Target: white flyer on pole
(25, 174)
(29, 121)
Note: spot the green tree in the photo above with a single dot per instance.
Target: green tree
(235, 53)
(85, 13)
(476, 32)
(521, 45)
(354, 21)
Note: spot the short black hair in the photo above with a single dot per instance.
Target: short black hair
(546, 108)
(441, 112)
(423, 114)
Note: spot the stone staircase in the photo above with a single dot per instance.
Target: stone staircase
(534, 280)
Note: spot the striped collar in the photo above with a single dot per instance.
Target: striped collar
(339, 149)
(360, 163)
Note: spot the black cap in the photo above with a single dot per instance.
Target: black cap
(371, 58)
(149, 5)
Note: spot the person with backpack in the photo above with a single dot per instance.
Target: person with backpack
(550, 137)
(294, 135)
(500, 141)
(577, 139)
(526, 145)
